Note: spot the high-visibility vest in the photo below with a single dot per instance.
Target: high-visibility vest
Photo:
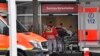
(50, 33)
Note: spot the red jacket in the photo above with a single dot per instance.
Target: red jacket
(50, 33)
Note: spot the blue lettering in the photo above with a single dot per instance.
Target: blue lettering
(91, 21)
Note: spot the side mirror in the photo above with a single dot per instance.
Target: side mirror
(6, 31)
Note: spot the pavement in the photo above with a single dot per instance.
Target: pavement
(2, 55)
(68, 54)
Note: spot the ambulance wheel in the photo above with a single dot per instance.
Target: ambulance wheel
(20, 54)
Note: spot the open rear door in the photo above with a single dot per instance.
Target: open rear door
(91, 26)
(88, 27)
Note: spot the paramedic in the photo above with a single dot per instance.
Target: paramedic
(69, 32)
(50, 34)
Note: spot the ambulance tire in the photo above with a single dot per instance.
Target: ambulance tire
(19, 53)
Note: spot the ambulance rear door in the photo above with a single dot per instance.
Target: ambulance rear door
(90, 26)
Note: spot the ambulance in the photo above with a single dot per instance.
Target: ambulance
(28, 43)
(89, 28)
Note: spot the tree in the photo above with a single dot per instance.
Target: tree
(35, 17)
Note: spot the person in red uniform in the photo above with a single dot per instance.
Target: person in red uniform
(50, 34)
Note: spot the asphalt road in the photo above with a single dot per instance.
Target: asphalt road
(2, 55)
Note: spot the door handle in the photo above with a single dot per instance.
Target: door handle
(86, 33)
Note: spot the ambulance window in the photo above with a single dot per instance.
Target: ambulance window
(2, 26)
(20, 27)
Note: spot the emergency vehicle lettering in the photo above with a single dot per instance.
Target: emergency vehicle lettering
(91, 24)
(91, 19)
